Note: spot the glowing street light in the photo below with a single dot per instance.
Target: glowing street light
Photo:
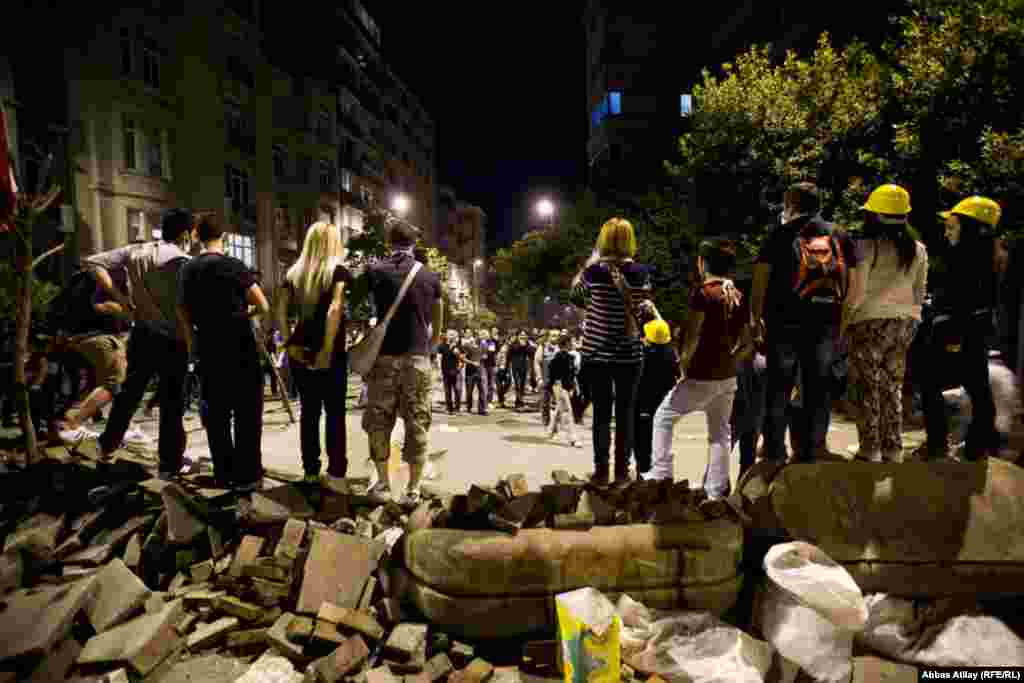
(476, 285)
(546, 209)
(400, 204)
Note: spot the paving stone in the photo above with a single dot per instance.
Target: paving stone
(141, 643)
(33, 621)
(369, 591)
(574, 522)
(57, 665)
(593, 504)
(381, 674)
(271, 592)
(461, 654)
(269, 617)
(560, 499)
(208, 634)
(438, 667)
(356, 620)
(301, 629)
(182, 524)
(179, 581)
(479, 670)
(223, 564)
(155, 602)
(517, 485)
(216, 539)
(509, 674)
(239, 608)
(186, 623)
(119, 593)
(405, 641)
(271, 668)
(326, 632)
(250, 637)
(336, 570)
(267, 568)
(12, 570)
(876, 670)
(287, 550)
(201, 571)
(277, 637)
(133, 551)
(198, 598)
(278, 504)
(37, 535)
(248, 550)
(390, 610)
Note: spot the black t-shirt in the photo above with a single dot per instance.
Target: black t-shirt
(519, 355)
(449, 359)
(489, 353)
(311, 331)
(409, 329)
(213, 288)
(562, 371)
(779, 251)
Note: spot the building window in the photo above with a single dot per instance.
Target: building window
(150, 64)
(242, 247)
(614, 103)
(136, 225)
(129, 133)
(305, 169)
(685, 104)
(236, 185)
(325, 175)
(154, 154)
(280, 162)
(323, 125)
(346, 180)
(127, 54)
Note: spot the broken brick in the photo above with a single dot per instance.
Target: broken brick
(119, 593)
(271, 667)
(381, 674)
(247, 638)
(202, 571)
(353, 619)
(182, 523)
(574, 522)
(438, 667)
(141, 643)
(287, 550)
(35, 620)
(238, 608)
(277, 637)
(479, 670)
(347, 657)
(461, 654)
(56, 665)
(517, 485)
(326, 632)
(133, 551)
(390, 610)
(271, 592)
(301, 629)
(208, 634)
(366, 599)
(336, 570)
(248, 550)
(267, 568)
(405, 641)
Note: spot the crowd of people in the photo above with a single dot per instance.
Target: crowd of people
(760, 357)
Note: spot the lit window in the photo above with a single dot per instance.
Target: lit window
(614, 103)
(236, 185)
(128, 130)
(242, 247)
(154, 154)
(685, 105)
(346, 180)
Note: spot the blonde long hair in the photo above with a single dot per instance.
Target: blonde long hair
(322, 252)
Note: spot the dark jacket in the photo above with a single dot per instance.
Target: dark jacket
(660, 374)
(562, 370)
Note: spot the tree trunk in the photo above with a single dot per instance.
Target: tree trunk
(23, 322)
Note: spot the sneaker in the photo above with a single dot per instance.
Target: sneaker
(379, 493)
(552, 436)
(430, 472)
(576, 444)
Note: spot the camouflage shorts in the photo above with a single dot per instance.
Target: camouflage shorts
(106, 354)
(399, 386)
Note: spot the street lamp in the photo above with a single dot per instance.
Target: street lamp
(476, 286)
(546, 209)
(400, 204)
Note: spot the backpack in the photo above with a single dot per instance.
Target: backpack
(821, 275)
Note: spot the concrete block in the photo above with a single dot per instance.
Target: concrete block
(479, 670)
(239, 608)
(369, 590)
(186, 623)
(182, 524)
(208, 634)
(574, 522)
(327, 633)
(381, 674)
(438, 667)
(179, 581)
(517, 485)
(119, 593)
(461, 654)
(37, 536)
(12, 570)
(301, 629)
(277, 637)
(133, 551)
(347, 657)
(875, 670)
(141, 643)
(250, 637)
(267, 568)
(390, 610)
(356, 620)
(33, 621)
(593, 504)
(336, 570)
(271, 592)
(405, 641)
(56, 665)
(202, 571)
(271, 668)
(287, 550)
(248, 550)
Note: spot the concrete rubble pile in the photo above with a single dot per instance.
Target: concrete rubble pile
(108, 574)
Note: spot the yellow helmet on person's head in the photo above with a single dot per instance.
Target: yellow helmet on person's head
(657, 332)
(979, 208)
(891, 200)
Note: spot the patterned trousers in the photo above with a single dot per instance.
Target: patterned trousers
(399, 385)
(878, 362)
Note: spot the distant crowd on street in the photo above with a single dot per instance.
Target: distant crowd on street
(760, 357)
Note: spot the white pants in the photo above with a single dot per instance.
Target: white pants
(563, 409)
(714, 397)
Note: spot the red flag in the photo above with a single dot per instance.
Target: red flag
(8, 186)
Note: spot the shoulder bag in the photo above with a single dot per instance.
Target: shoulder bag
(632, 329)
(363, 356)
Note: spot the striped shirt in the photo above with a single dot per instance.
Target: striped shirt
(604, 335)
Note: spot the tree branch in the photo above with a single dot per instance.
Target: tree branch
(42, 257)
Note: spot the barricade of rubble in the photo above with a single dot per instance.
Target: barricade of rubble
(108, 574)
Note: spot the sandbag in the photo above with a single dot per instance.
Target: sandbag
(913, 529)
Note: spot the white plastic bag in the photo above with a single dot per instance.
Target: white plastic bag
(810, 610)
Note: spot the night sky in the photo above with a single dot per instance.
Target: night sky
(505, 85)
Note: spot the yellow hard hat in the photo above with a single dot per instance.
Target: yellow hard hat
(657, 332)
(892, 200)
(979, 208)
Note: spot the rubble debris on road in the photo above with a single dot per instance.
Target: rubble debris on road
(108, 574)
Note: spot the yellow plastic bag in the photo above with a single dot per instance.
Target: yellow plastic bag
(590, 630)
